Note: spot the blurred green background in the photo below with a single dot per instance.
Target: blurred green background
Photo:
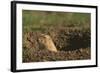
(40, 20)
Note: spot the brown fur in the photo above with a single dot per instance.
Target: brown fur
(47, 42)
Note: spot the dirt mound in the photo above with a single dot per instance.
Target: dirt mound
(70, 38)
(45, 55)
(30, 40)
(63, 38)
(71, 43)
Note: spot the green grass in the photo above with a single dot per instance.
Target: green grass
(38, 20)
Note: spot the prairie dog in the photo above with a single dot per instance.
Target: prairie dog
(47, 42)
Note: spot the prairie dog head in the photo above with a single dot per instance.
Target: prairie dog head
(46, 40)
